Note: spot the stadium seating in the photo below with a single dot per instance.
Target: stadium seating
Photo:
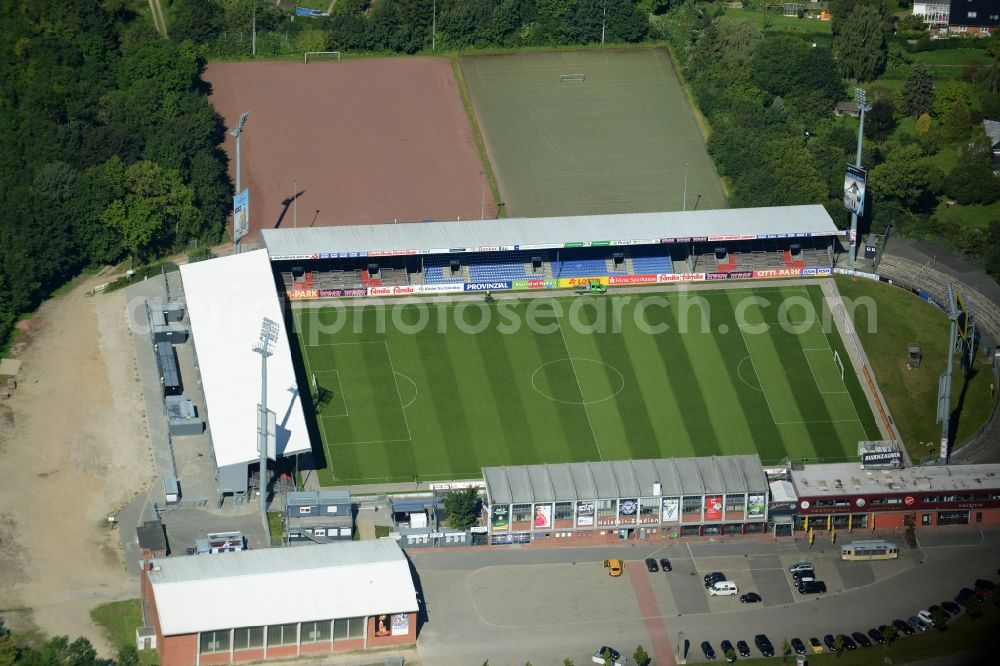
(651, 259)
(437, 270)
(583, 263)
(498, 266)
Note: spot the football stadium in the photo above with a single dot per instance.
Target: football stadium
(429, 351)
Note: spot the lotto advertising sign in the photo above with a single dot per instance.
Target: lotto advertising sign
(565, 283)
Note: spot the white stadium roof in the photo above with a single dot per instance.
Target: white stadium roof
(522, 233)
(281, 585)
(227, 300)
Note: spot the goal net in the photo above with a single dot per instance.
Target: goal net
(310, 56)
(840, 364)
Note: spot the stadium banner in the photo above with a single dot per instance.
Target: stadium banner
(671, 509)
(500, 517)
(755, 505)
(582, 282)
(817, 272)
(399, 290)
(241, 215)
(391, 253)
(400, 624)
(733, 237)
(441, 288)
(669, 278)
(628, 508)
(768, 273)
(314, 294)
(543, 516)
(847, 271)
(584, 514)
(632, 279)
(533, 283)
(855, 179)
(486, 286)
(732, 275)
(713, 507)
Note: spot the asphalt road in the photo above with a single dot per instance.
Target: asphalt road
(512, 606)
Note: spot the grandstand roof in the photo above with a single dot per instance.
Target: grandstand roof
(281, 585)
(839, 479)
(227, 299)
(521, 233)
(624, 479)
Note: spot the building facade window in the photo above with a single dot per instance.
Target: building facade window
(564, 511)
(282, 634)
(607, 512)
(953, 518)
(649, 509)
(736, 503)
(691, 505)
(316, 632)
(248, 638)
(521, 513)
(214, 641)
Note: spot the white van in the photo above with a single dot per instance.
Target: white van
(724, 588)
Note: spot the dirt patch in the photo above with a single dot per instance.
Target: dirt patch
(75, 450)
(368, 141)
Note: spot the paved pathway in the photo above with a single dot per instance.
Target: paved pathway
(661, 651)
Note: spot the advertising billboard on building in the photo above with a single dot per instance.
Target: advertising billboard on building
(500, 517)
(241, 215)
(855, 179)
(584, 514)
(756, 505)
(543, 516)
(400, 624)
(628, 508)
(671, 509)
(713, 507)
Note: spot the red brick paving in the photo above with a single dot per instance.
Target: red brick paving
(661, 651)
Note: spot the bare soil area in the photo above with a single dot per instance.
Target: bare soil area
(74, 449)
(360, 142)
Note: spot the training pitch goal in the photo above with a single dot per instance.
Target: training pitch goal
(320, 55)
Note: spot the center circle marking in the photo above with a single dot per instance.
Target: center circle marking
(569, 366)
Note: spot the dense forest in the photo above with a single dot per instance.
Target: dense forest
(108, 146)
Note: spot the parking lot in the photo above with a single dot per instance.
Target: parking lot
(544, 605)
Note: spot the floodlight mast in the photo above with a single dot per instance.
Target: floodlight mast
(268, 337)
(944, 384)
(863, 105)
(236, 131)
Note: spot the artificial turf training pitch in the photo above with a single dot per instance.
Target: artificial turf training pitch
(442, 389)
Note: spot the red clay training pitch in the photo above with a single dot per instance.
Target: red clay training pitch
(362, 142)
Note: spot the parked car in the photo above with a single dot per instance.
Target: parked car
(804, 575)
(764, 645)
(918, 623)
(963, 596)
(665, 565)
(847, 642)
(830, 642)
(616, 658)
(706, 649)
(615, 567)
(861, 639)
(877, 636)
(812, 587)
(743, 648)
(984, 588)
(904, 626)
(938, 607)
(728, 648)
(750, 598)
(798, 646)
(651, 565)
(951, 607)
(815, 645)
(713, 578)
(801, 566)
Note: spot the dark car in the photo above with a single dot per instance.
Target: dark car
(830, 642)
(727, 648)
(798, 646)
(651, 565)
(743, 648)
(904, 627)
(861, 639)
(798, 576)
(933, 609)
(750, 598)
(877, 636)
(706, 648)
(963, 596)
(764, 645)
(984, 588)
(665, 565)
(713, 578)
(847, 642)
(951, 607)
(812, 587)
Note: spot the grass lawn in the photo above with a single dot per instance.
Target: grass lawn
(120, 619)
(780, 23)
(972, 216)
(621, 139)
(432, 394)
(961, 635)
(903, 318)
(274, 526)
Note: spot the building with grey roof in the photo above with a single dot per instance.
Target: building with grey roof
(626, 499)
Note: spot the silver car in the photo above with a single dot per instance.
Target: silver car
(801, 566)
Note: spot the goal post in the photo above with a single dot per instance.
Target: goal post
(572, 78)
(320, 55)
(839, 362)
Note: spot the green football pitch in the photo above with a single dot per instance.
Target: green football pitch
(590, 132)
(435, 391)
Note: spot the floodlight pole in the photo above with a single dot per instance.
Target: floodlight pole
(236, 132)
(863, 105)
(482, 208)
(685, 205)
(604, 21)
(295, 203)
(434, 24)
(268, 337)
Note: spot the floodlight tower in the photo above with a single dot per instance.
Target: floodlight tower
(944, 384)
(863, 105)
(236, 131)
(265, 418)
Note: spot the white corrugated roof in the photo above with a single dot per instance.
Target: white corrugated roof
(227, 299)
(281, 585)
(531, 233)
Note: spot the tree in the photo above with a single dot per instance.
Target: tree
(907, 178)
(641, 656)
(730, 654)
(8, 650)
(939, 619)
(860, 43)
(197, 20)
(786, 649)
(972, 184)
(946, 93)
(880, 120)
(918, 91)
(956, 121)
(890, 633)
(974, 606)
(838, 644)
(462, 507)
(128, 655)
(924, 124)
